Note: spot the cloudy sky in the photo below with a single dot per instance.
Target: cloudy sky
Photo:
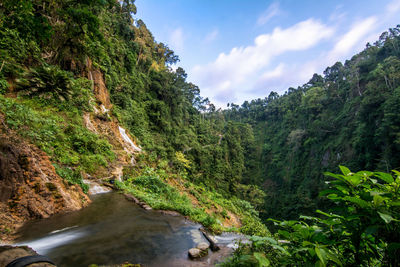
(237, 50)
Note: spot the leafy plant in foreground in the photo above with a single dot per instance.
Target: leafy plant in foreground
(362, 229)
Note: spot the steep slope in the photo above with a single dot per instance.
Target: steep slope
(29, 185)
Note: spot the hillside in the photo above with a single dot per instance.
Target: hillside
(348, 116)
(87, 95)
(92, 90)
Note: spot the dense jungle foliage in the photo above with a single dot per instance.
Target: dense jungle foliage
(266, 156)
(361, 229)
(350, 115)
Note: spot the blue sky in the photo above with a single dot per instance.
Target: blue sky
(242, 50)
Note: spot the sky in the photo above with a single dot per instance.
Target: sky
(237, 50)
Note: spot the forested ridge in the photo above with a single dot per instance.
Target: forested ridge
(348, 116)
(223, 168)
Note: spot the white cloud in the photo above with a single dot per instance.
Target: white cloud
(393, 7)
(241, 64)
(352, 38)
(269, 13)
(277, 72)
(211, 36)
(176, 39)
(349, 43)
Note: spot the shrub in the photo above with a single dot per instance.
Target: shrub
(362, 228)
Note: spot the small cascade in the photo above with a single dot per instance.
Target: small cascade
(126, 138)
(95, 188)
(91, 77)
(231, 240)
(88, 123)
(104, 109)
(118, 173)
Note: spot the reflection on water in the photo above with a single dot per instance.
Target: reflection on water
(112, 231)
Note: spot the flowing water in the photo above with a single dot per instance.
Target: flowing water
(96, 188)
(113, 230)
(126, 138)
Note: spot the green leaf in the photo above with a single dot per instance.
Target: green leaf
(395, 203)
(271, 240)
(333, 175)
(328, 191)
(358, 201)
(306, 243)
(324, 213)
(378, 200)
(345, 170)
(321, 253)
(334, 258)
(343, 189)
(333, 197)
(386, 217)
(262, 260)
(355, 179)
(385, 177)
(396, 172)
(365, 173)
(281, 249)
(285, 234)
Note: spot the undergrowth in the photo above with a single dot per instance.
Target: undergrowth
(61, 134)
(151, 182)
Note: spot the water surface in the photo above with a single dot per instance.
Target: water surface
(113, 230)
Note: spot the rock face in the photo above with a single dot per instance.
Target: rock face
(29, 186)
(103, 123)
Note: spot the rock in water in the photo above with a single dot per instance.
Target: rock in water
(211, 239)
(195, 253)
(200, 251)
(203, 246)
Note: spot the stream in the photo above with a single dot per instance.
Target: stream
(112, 230)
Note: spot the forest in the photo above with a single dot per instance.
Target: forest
(274, 162)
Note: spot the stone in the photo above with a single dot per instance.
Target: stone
(194, 253)
(203, 246)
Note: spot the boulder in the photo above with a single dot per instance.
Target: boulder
(195, 253)
(200, 251)
(203, 246)
(211, 239)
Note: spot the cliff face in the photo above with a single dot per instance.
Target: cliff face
(103, 123)
(29, 185)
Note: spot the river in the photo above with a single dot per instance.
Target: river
(113, 230)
